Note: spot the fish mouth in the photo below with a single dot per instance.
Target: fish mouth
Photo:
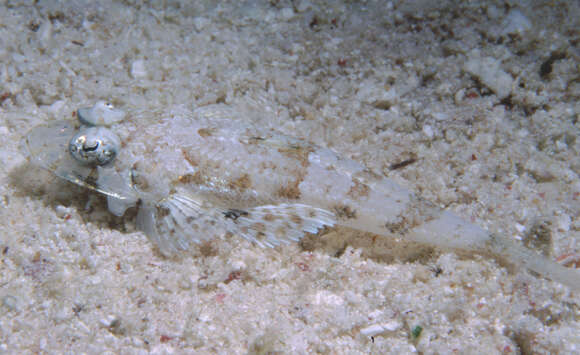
(47, 144)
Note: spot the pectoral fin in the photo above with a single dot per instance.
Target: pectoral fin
(177, 222)
(273, 225)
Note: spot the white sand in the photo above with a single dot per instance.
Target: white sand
(484, 98)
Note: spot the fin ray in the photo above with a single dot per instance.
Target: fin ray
(273, 225)
(177, 222)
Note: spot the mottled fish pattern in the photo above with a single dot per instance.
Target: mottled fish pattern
(195, 175)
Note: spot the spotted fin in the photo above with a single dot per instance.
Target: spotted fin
(273, 225)
(177, 222)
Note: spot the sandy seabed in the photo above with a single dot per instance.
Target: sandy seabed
(472, 104)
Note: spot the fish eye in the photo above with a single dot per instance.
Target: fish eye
(94, 146)
(101, 114)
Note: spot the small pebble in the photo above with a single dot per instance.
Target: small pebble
(515, 23)
(10, 302)
(381, 328)
(138, 69)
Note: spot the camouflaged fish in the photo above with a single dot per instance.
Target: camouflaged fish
(194, 175)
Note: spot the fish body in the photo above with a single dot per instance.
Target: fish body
(194, 175)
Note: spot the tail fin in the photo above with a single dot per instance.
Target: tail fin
(535, 262)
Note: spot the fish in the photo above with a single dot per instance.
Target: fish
(197, 174)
